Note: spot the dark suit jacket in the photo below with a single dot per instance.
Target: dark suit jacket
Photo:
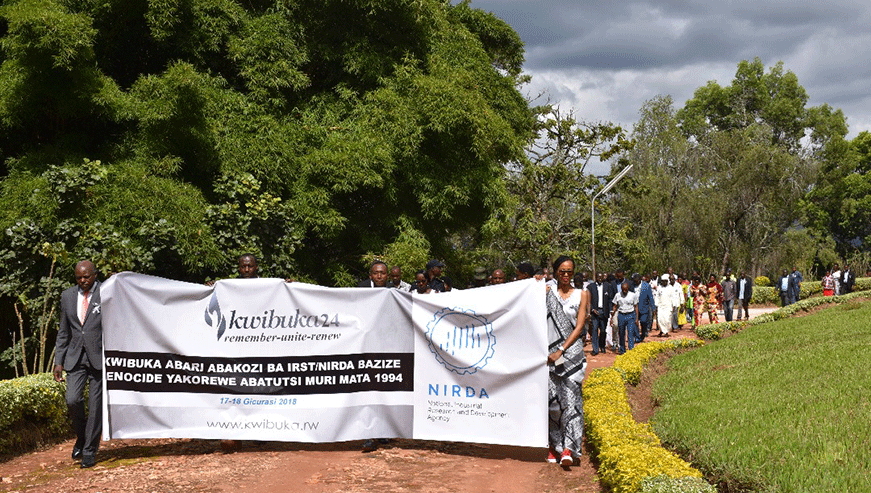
(780, 289)
(645, 300)
(607, 294)
(748, 289)
(72, 337)
(847, 281)
(367, 283)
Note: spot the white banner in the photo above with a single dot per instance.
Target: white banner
(262, 359)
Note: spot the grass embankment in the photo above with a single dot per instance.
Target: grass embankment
(785, 406)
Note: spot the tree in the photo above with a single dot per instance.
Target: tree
(170, 137)
(550, 190)
(717, 195)
(839, 204)
(775, 98)
(346, 127)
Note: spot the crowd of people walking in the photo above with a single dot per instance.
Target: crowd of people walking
(608, 310)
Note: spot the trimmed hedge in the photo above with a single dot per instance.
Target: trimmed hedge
(767, 295)
(712, 332)
(631, 457)
(34, 411)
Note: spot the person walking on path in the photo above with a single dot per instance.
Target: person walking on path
(715, 298)
(665, 302)
(729, 294)
(745, 294)
(795, 280)
(699, 295)
(828, 284)
(783, 288)
(567, 308)
(628, 327)
(601, 295)
(79, 351)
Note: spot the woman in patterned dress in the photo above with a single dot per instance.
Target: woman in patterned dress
(699, 293)
(828, 284)
(715, 297)
(567, 308)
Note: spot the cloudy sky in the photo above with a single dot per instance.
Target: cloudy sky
(605, 58)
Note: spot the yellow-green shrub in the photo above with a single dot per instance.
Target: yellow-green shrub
(628, 452)
(762, 281)
(35, 403)
(763, 295)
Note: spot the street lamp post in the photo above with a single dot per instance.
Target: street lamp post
(609, 186)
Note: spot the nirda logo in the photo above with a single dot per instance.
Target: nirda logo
(461, 340)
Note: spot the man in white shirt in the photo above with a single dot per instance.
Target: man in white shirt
(626, 305)
(677, 298)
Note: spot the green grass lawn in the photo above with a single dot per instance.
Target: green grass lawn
(784, 406)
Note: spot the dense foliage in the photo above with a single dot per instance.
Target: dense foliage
(747, 176)
(169, 137)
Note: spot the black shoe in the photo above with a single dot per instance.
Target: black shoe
(88, 461)
(77, 453)
(594, 353)
(370, 445)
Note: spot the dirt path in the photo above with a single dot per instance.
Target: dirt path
(267, 467)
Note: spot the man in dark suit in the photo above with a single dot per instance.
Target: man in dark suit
(79, 351)
(847, 280)
(795, 280)
(783, 287)
(601, 297)
(377, 276)
(646, 306)
(377, 279)
(745, 293)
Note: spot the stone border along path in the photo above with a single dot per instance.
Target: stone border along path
(170, 465)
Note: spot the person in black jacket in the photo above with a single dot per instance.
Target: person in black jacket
(601, 295)
(847, 280)
(79, 352)
(744, 294)
(377, 276)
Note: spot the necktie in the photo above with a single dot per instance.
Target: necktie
(84, 307)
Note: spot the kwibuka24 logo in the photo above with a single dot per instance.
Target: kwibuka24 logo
(219, 321)
(461, 340)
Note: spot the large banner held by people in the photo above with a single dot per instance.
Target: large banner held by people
(262, 359)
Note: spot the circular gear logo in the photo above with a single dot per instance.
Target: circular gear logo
(461, 340)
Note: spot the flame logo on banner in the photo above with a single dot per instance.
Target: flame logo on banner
(461, 340)
(219, 320)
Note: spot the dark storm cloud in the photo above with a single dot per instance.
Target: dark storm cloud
(606, 58)
(614, 35)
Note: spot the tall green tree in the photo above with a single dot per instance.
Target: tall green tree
(839, 205)
(774, 98)
(169, 137)
(718, 182)
(333, 122)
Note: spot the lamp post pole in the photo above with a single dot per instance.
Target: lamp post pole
(609, 186)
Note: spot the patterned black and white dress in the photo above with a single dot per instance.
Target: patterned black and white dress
(566, 405)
